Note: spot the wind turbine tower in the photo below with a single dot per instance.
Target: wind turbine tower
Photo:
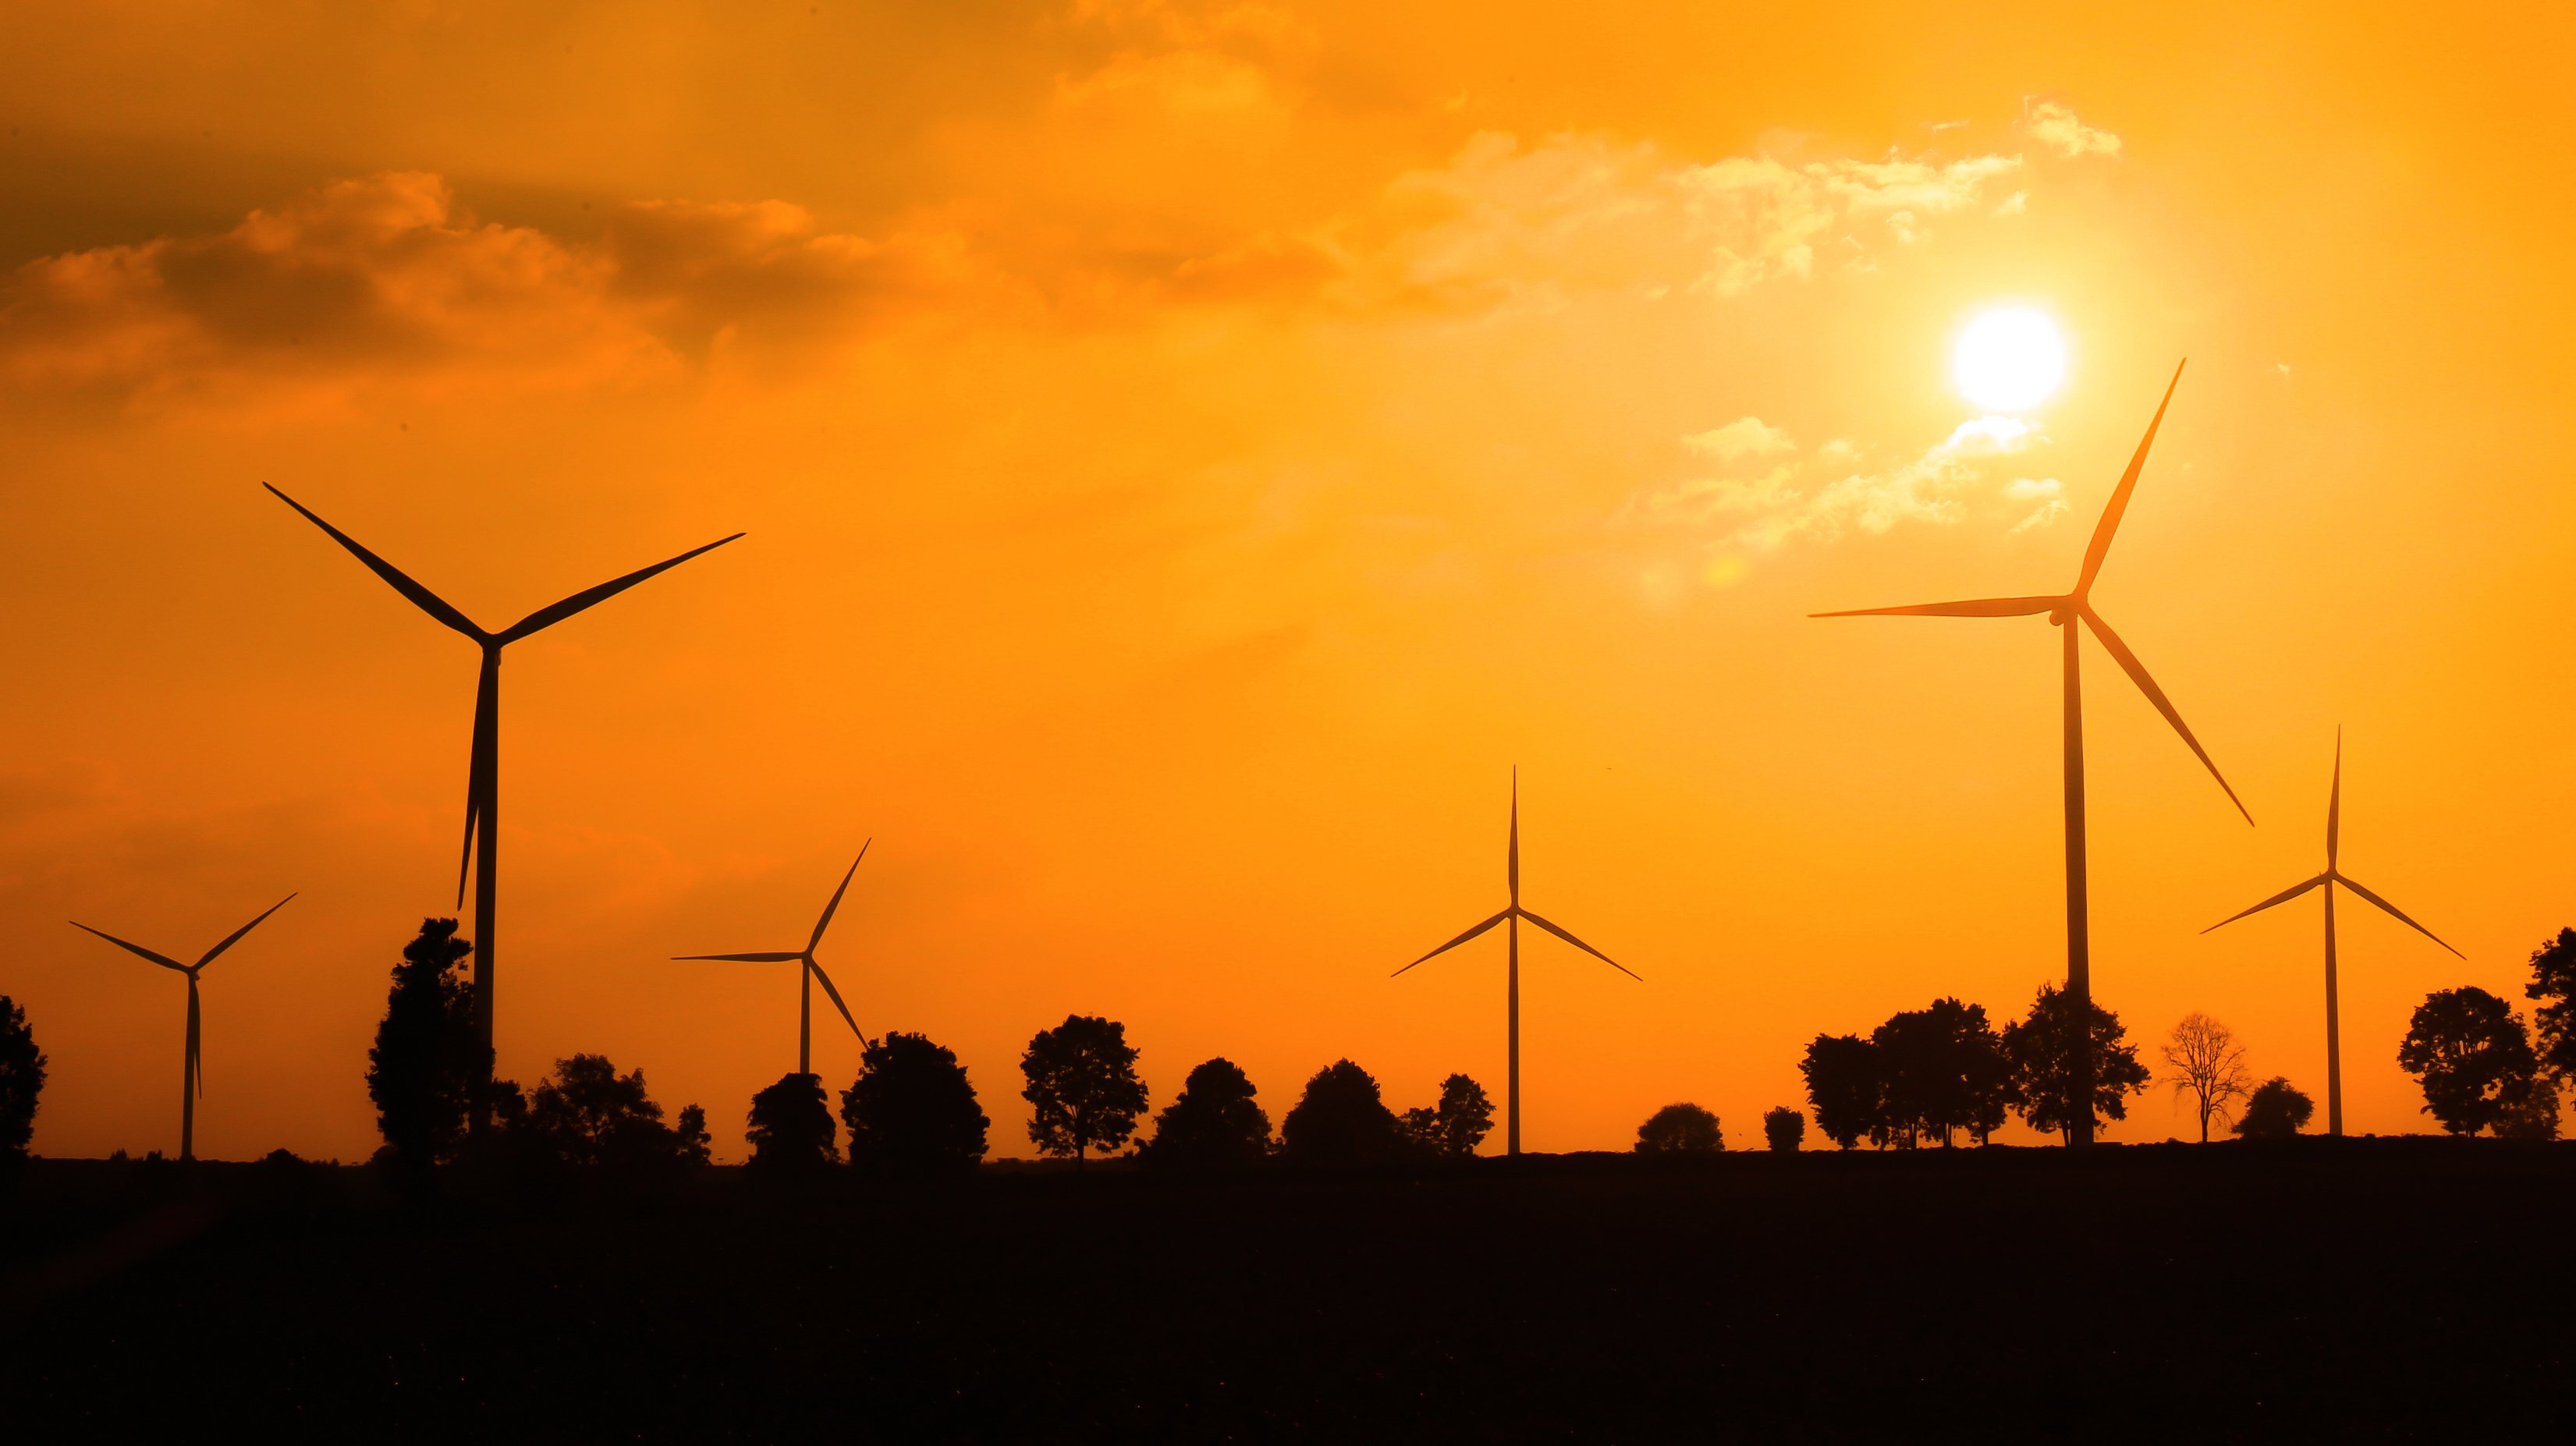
(192, 1079)
(1512, 915)
(2065, 610)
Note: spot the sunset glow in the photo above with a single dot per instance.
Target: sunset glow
(1188, 455)
(2010, 360)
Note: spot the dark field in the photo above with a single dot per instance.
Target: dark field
(2364, 1289)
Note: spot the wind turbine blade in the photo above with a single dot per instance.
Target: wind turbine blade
(772, 958)
(1984, 607)
(1461, 939)
(2395, 913)
(2137, 672)
(235, 936)
(547, 617)
(422, 598)
(2334, 804)
(478, 764)
(829, 909)
(826, 981)
(2100, 546)
(2283, 897)
(164, 960)
(1579, 944)
(1512, 859)
(196, 1050)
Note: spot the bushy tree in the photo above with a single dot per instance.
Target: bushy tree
(912, 1110)
(1842, 1084)
(2472, 1055)
(690, 1136)
(1679, 1128)
(22, 1078)
(2553, 978)
(1082, 1087)
(2208, 1066)
(2276, 1110)
(1941, 1069)
(428, 1059)
(2042, 1050)
(1214, 1124)
(1455, 1126)
(2535, 1115)
(587, 1115)
(1784, 1129)
(791, 1129)
(1340, 1120)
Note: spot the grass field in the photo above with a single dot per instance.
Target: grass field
(2364, 1289)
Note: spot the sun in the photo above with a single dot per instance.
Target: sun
(2010, 359)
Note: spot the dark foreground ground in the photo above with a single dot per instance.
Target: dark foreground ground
(2362, 1290)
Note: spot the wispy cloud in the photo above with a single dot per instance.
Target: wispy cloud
(1748, 508)
(2057, 128)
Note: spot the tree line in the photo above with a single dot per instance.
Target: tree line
(1925, 1076)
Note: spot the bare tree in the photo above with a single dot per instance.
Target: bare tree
(2208, 1065)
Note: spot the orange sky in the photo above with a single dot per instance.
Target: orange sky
(1190, 453)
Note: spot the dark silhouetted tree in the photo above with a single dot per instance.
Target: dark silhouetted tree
(1842, 1084)
(22, 1078)
(588, 1115)
(2535, 1115)
(2553, 978)
(2208, 1066)
(1214, 1124)
(1678, 1128)
(912, 1112)
(2472, 1055)
(1340, 1120)
(2042, 1049)
(1458, 1124)
(791, 1129)
(2276, 1110)
(1784, 1129)
(690, 1137)
(1083, 1090)
(1941, 1069)
(428, 1059)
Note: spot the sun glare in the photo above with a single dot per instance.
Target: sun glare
(2009, 360)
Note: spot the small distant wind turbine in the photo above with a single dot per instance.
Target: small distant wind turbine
(811, 971)
(192, 1079)
(483, 773)
(2332, 876)
(1512, 915)
(2065, 610)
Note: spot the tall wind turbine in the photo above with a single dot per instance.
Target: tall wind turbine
(2332, 876)
(1512, 915)
(2064, 611)
(192, 1079)
(811, 971)
(483, 772)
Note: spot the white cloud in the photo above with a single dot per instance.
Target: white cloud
(1743, 437)
(2056, 127)
(1816, 500)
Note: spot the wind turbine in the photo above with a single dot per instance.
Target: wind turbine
(483, 772)
(2064, 610)
(192, 1079)
(1512, 915)
(808, 974)
(2332, 876)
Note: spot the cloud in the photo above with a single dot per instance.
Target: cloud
(1815, 500)
(1501, 223)
(1743, 437)
(387, 277)
(2055, 126)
